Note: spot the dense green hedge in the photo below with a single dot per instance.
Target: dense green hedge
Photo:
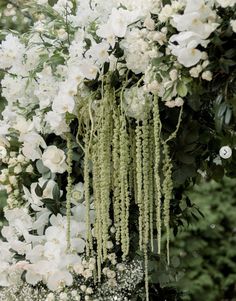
(205, 252)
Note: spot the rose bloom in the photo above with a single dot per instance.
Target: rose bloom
(54, 159)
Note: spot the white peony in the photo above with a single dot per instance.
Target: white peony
(54, 159)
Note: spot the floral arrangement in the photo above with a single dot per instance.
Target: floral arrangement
(99, 94)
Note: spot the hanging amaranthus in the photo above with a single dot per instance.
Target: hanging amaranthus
(124, 185)
(139, 178)
(157, 159)
(116, 172)
(89, 244)
(69, 187)
(126, 166)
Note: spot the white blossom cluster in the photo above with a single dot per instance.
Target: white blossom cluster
(43, 252)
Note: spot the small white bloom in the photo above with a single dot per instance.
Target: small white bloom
(173, 74)
(165, 13)
(170, 103)
(50, 297)
(3, 152)
(59, 279)
(29, 169)
(207, 75)
(226, 3)
(225, 152)
(233, 25)
(18, 169)
(179, 102)
(77, 193)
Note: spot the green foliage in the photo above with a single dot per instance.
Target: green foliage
(206, 252)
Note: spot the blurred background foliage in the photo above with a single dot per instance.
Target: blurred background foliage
(204, 252)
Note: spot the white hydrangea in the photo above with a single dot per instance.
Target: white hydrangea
(136, 100)
(138, 51)
(11, 51)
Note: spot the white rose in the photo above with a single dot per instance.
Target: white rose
(54, 159)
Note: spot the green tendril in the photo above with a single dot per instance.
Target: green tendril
(157, 160)
(69, 189)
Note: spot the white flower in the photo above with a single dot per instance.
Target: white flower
(3, 152)
(99, 52)
(88, 69)
(149, 23)
(42, 2)
(195, 71)
(105, 31)
(179, 102)
(11, 51)
(187, 56)
(226, 3)
(77, 193)
(170, 104)
(31, 147)
(165, 13)
(207, 75)
(4, 272)
(59, 280)
(63, 103)
(119, 22)
(233, 25)
(136, 100)
(54, 159)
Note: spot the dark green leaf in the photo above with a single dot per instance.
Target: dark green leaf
(38, 191)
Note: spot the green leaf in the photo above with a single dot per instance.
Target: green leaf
(39, 191)
(228, 116)
(56, 192)
(182, 89)
(41, 168)
(52, 205)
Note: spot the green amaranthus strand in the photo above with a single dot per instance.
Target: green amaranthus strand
(69, 188)
(157, 160)
(132, 168)
(116, 172)
(89, 244)
(104, 136)
(139, 178)
(167, 193)
(168, 183)
(146, 194)
(151, 182)
(124, 185)
(145, 176)
(97, 206)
